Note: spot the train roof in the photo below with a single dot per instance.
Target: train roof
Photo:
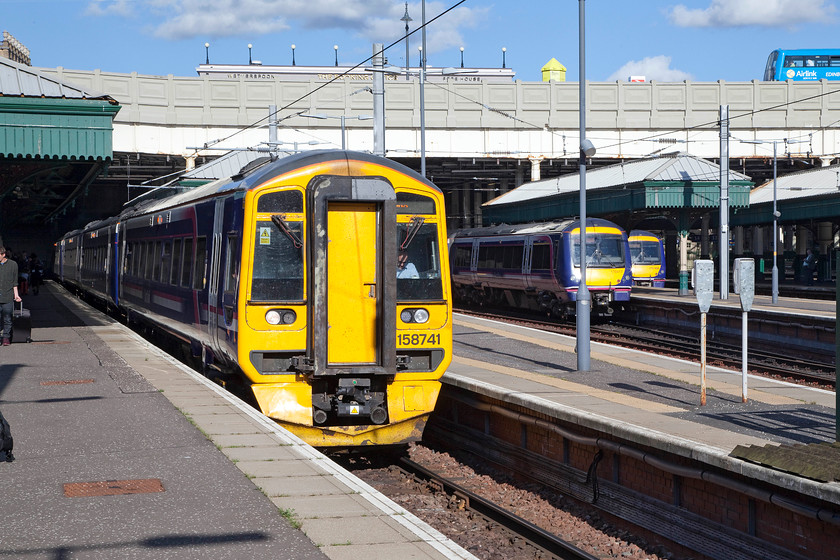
(258, 172)
(559, 226)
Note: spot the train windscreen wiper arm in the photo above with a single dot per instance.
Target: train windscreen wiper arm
(284, 227)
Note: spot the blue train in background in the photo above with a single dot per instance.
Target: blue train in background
(647, 255)
(537, 266)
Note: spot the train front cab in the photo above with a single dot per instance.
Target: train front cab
(608, 274)
(325, 358)
(647, 255)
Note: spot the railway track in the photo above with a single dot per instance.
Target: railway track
(540, 539)
(683, 346)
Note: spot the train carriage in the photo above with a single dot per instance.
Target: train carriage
(287, 274)
(537, 266)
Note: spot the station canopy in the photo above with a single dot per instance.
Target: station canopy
(803, 196)
(55, 138)
(647, 186)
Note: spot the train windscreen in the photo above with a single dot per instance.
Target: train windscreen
(278, 261)
(418, 261)
(644, 252)
(603, 250)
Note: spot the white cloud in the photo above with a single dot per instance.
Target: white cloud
(373, 20)
(109, 8)
(652, 68)
(765, 13)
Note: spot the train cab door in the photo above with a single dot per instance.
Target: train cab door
(213, 302)
(352, 276)
(527, 250)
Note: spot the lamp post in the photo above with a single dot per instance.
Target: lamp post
(207, 53)
(342, 118)
(776, 214)
(335, 47)
(504, 51)
(462, 57)
(406, 18)
(249, 53)
(423, 89)
(583, 301)
(293, 55)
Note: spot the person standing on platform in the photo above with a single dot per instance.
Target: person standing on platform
(809, 265)
(8, 294)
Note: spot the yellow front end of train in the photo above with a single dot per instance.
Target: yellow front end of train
(342, 347)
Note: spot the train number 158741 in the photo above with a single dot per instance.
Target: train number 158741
(418, 339)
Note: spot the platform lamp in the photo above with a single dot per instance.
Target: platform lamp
(406, 18)
(504, 51)
(774, 291)
(249, 53)
(207, 53)
(583, 303)
(293, 54)
(335, 47)
(462, 57)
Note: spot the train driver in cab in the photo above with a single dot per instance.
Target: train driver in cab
(405, 269)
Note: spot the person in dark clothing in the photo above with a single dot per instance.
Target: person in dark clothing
(809, 265)
(8, 294)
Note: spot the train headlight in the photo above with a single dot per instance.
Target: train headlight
(421, 316)
(280, 316)
(273, 317)
(414, 315)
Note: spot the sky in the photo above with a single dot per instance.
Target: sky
(664, 40)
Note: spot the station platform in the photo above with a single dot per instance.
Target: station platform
(792, 306)
(123, 452)
(648, 399)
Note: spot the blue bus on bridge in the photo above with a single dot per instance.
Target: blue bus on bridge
(803, 65)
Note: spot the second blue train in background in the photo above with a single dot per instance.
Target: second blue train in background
(537, 266)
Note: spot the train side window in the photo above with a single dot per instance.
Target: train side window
(186, 264)
(156, 260)
(199, 263)
(165, 261)
(148, 256)
(541, 257)
(177, 260)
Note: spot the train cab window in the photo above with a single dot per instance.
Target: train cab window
(278, 261)
(644, 252)
(186, 264)
(199, 280)
(419, 242)
(176, 261)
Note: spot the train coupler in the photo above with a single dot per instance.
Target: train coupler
(353, 398)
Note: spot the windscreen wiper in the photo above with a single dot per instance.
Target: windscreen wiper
(281, 224)
(413, 227)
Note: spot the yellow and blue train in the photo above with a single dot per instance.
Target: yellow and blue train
(537, 266)
(287, 273)
(647, 253)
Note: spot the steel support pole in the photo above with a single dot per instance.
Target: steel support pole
(379, 100)
(744, 356)
(423, 93)
(702, 359)
(583, 303)
(775, 273)
(723, 236)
